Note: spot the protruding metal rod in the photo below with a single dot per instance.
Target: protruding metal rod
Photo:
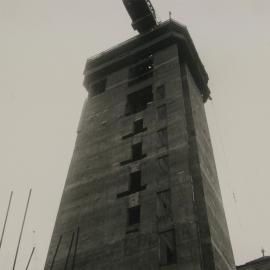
(20, 237)
(69, 251)
(33, 250)
(5, 223)
(75, 250)
(56, 251)
(263, 252)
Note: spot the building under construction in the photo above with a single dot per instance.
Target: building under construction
(142, 190)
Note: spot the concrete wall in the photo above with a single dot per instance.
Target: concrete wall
(213, 224)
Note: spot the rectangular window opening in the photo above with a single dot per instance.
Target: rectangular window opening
(138, 126)
(170, 256)
(167, 248)
(134, 215)
(137, 101)
(137, 151)
(98, 87)
(136, 154)
(135, 181)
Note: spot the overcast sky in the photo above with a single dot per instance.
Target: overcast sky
(43, 48)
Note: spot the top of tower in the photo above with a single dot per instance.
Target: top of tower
(165, 34)
(142, 14)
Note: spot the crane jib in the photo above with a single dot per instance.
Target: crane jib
(142, 14)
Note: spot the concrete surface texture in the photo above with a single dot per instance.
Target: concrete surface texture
(142, 190)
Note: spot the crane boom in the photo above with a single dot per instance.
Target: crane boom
(142, 14)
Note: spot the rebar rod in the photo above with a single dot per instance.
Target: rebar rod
(56, 251)
(69, 251)
(20, 237)
(75, 249)
(33, 250)
(6, 218)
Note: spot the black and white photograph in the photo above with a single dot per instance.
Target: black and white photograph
(135, 135)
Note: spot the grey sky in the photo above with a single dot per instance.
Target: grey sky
(43, 49)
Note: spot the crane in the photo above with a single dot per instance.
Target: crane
(142, 14)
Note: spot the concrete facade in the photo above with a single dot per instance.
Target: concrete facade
(142, 190)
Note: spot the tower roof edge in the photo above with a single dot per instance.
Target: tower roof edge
(164, 34)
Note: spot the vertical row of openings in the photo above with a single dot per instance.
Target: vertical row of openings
(134, 215)
(167, 248)
(137, 101)
(98, 87)
(141, 71)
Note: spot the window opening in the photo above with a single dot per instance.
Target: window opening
(135, 185)
(135, 181)
(137, 151)
(98, 87)
(167, 248)
(136, 154)
(137, 101)
(134, 215)
(138, 126)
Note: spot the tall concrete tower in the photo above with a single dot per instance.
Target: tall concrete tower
(142, 191)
